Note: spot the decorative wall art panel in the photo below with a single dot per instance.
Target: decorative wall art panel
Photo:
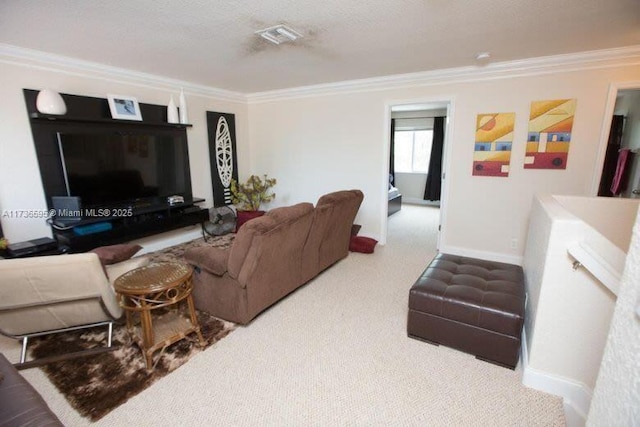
(494, 137)
(550, 125)
(222, 155)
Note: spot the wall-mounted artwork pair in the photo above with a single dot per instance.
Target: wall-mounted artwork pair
(548, 138)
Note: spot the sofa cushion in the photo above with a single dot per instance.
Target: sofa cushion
(330, 233)
(336, 197)
(362, 244)
(212, 259)
(288, 213)
(259, 226)
(116, 253)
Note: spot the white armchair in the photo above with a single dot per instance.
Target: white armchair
(44, 295)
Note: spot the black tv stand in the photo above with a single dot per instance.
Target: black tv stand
(149, 215)
(144, 222)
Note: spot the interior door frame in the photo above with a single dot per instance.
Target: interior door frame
(614, 88)
(449, 100)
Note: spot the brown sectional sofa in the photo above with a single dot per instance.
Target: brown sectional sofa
(272, 256)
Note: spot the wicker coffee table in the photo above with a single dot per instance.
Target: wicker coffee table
(152, 287)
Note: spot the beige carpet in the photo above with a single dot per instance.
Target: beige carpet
(335, 352)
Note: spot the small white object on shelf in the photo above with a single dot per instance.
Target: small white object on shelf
(50, 102)
(184, 115)
(172, 111)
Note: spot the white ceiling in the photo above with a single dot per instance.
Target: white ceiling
(212, 43)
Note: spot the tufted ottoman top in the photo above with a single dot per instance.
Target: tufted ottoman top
(484, 294)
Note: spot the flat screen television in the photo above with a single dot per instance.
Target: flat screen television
(116, 169)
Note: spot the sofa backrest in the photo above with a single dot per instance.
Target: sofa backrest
(330, 232)
(271, 245)
(272, 262)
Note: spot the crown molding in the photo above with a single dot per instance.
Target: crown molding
(617, 57)
(608, 58)
(63, 64)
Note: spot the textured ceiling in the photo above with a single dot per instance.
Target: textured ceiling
(213, 42)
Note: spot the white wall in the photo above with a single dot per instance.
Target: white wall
(612, 217)
(568, 309)
(20, 183)
(616, 398)
(322, 144)
(336, 140)
(411, 186)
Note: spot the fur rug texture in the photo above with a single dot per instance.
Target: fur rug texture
(95, 385)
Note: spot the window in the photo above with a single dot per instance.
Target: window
(412, 150)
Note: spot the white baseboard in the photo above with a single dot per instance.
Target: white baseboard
(489, 256)
(576, 396)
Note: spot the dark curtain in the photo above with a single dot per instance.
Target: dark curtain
(611, 157)
(434, 181)
(392, 153)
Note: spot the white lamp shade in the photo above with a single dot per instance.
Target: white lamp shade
(50, 102)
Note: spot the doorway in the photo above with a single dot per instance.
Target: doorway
(620, 144)
(417, 145)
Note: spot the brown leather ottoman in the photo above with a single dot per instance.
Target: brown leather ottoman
(471, 305)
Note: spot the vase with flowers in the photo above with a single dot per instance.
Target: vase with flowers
(249, 196)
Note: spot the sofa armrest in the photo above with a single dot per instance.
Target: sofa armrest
(20, 403)
(212, 259)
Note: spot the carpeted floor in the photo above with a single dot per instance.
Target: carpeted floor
(335, 352)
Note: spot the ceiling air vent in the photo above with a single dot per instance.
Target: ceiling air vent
(279, 34)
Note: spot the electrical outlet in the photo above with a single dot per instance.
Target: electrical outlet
(514, 243)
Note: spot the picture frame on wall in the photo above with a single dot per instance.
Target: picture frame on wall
(124, 107)
(222, 155)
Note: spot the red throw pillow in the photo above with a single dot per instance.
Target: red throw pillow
(362, 244)
(116, 253)
(244, 216)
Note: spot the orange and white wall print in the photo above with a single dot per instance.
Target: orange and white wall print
(494, 137)
(550, 125)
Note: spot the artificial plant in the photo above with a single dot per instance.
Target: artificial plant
(250, 195)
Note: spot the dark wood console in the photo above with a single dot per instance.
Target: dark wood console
(127, 228)
(150, 215)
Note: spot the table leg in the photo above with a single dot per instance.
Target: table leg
(127, 313)
(147, 335)
(194, 319)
